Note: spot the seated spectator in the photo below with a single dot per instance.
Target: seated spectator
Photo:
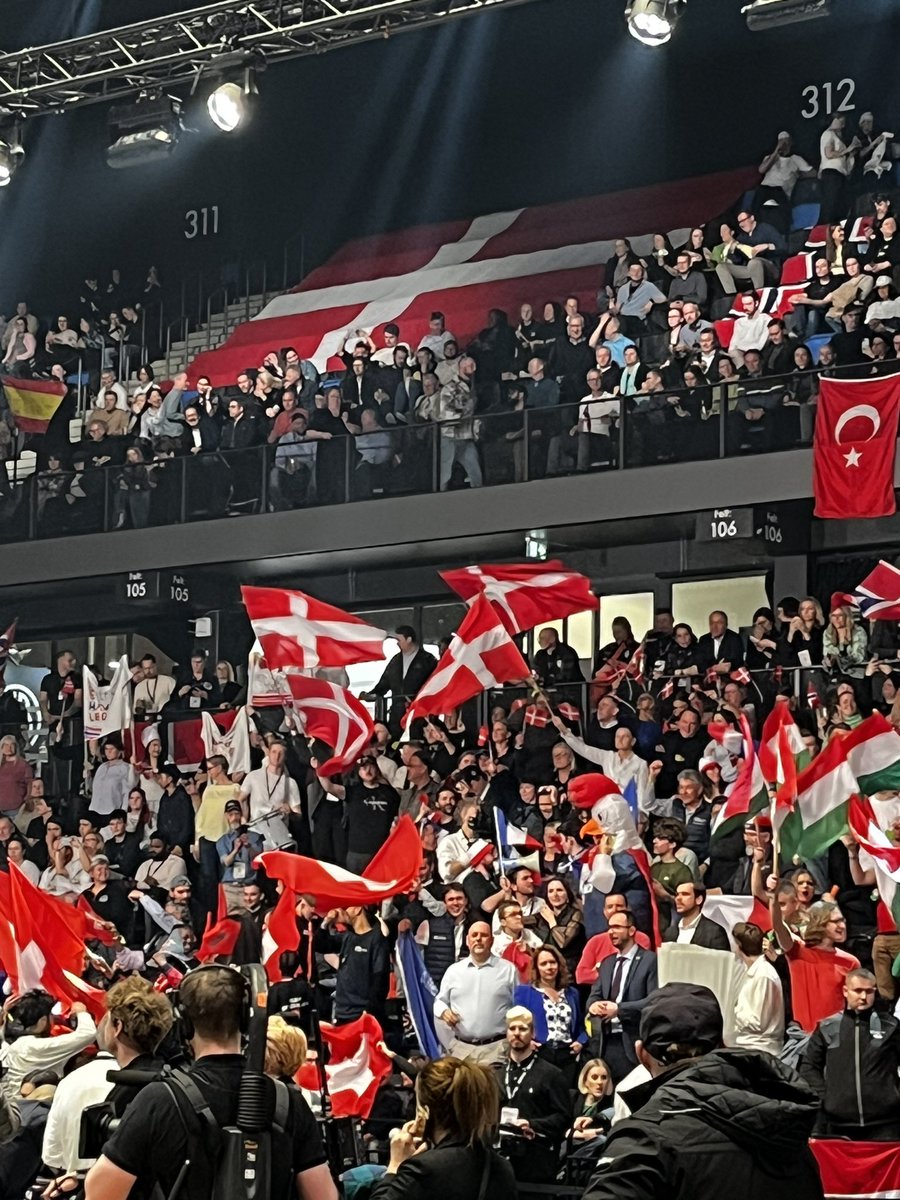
(883, 311)
(883, 254)
(689, 282)
(810, 306)
(615, 340)
(708, 358)
(634, 373)
(436, 337)
(114, 420)
(835, 246)
(847, 346)
(635, 301)
(751, 329)
(845, 643)
(778, 351)
(764, 249)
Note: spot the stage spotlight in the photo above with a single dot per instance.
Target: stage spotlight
(652, 21)
(226, 106)
(143, 132)
(12, 152)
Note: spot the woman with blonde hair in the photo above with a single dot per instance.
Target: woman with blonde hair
(803, 634)
(15, 776)
(286, 1049)
(445, 1151)
(845, 642)
(594, 1104)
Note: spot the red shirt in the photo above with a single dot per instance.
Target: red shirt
(817, 982)
(598, 948)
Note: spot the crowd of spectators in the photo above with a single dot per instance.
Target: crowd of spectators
(684, 352)
(566, 939)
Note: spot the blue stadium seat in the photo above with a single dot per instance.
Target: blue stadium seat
(816, 343)
(805, 216)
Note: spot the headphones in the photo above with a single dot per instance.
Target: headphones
(186, 1025)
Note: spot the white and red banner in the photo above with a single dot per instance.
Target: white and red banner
(233, 744)
(463, 268)
(296, 630)
(481, 655)
(395, 868)
(854, 447)
(334, 716)
(107, 709)
(525, 594)
(356, 1066)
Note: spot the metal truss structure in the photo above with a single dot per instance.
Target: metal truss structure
(154, 56)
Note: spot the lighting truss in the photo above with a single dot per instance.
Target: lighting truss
(156, 55)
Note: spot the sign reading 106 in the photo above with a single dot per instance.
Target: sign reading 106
(201, 222)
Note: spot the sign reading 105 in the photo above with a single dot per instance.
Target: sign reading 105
(201, 222)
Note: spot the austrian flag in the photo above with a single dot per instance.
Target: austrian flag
(525, 594)
(481, 655)
(296, 630)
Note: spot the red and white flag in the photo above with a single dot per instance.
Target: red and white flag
(296, 630)
(748, 795)
(280, 932)
(884, 853)
(728, 911)
(852, 1170)
(355, 1066)
(481, 655)
(334, 716)
(394, 869)
(854, 446)
(525, 594)
(878, 596)
(7, 641)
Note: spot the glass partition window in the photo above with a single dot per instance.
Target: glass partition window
(635, 607)
(738, 598)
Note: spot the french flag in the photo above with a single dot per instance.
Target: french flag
(512, 836)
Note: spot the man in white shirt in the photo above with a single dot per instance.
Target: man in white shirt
(109, 383)
(780, 171)
(152, 690)
(437, 336)
(759, 1005)
(473, 999)
(385, 356)
(512, 930)
(36, 1050)
(751, 331)
(270, 790)
(160, 870)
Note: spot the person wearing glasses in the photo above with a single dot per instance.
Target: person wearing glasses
(759, 250)
(818, 965)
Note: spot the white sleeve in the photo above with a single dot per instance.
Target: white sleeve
(583, 750)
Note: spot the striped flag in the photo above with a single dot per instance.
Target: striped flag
(33, 401)
(878, 596)
(884, 853)
(512, 836)
(866, 760)
(729, 911)
(748, 795)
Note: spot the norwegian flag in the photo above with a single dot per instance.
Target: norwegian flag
(481, 655)
(463, 268)
(525, 594)
(7, 641)
(878, 596)
(334, 716)
(740, 675)
(296, 630)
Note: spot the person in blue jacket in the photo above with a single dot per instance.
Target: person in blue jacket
(553, 1003)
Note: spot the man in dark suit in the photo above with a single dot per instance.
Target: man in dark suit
(721, 649)
(404, 674)
(624, 985)
(692, 927)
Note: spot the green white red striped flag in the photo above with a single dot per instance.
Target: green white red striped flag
(748, 795)
(884, 853)
(866, 760)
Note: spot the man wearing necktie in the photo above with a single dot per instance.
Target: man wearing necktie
(624, 985)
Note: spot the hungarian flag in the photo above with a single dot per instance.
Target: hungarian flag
(782, 755)
(854, 446)
(107, 709)
(296, 630)
(748, 795)
(355, 1066)
(481, 655)
(7, 641)
(851, 1170)
(878, 596)
(334, 716)
(395, 868)
(525, 594)
(866, 760)
(729, 911)
(33, 401)
(884, 853)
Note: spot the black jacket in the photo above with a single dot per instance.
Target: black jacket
(407, 684)
(540, 1093)
(175, 820)
(851, 1063)
(731, 650)
(449, 1170)
(708, 934)
(559, 665)
(734, 1123)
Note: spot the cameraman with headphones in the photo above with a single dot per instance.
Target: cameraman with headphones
(161, 1131)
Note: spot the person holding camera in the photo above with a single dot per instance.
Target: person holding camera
(163, 1140)
(136, 1021)
(237, 849)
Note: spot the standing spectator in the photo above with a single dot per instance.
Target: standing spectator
(404, 675)
(15, 775)
(818, 966)
(19, 357)
(759, 1004)
(110, 783)
(210, 824)
(456, 411)
(474, 997)
(437, 336)
(237, 849)
(175, 818)
(556, 662)
(852, 1063)
(835, 166)
(692, 927)
(780, 171)
(624, 985)
(555, 1010)
(364, 963)
(371, 806)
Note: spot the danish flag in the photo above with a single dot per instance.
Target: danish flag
(525, 594)
(296, 630)
(481, 655)
(7, 641)
(334, 716)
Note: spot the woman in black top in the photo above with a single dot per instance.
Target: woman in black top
(458, 1105)
(683, 657)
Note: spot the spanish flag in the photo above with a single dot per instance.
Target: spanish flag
(33, 401)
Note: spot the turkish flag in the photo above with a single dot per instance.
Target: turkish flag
(854, 446)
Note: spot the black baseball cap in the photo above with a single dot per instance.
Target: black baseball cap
(678, 1015)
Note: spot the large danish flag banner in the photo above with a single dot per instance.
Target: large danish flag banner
(854, 447)
(463, 268)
